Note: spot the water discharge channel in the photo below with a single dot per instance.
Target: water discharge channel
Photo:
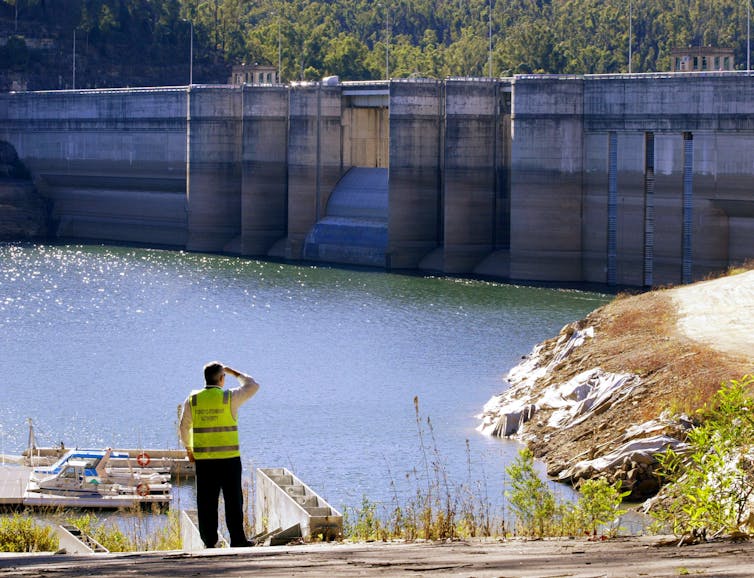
(100, 344)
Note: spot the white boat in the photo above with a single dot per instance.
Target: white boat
(86, 483)
(102, 463)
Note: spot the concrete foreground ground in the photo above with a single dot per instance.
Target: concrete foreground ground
(640, 556)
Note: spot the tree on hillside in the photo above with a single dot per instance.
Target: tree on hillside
(130, 42)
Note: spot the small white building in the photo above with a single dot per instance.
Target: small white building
(254, 74)
(702, 58)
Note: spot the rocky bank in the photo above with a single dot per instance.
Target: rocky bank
(614, 389)
(23, 212)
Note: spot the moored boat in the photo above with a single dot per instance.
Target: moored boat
(102, 463)
(85, 482)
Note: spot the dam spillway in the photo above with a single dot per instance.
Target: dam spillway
(354, 229)
(639, 180)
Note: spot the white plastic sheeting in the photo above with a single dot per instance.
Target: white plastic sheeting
(641, 451)
(587, 394)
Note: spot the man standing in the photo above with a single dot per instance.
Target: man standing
(209, 431)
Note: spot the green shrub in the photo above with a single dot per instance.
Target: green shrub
(708, 487)
(108, 535)
(169, 537)
(598, 507)
(366, 525)
(22, 534)
(530, 498)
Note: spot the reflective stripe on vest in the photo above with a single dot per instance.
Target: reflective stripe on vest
(214, 430)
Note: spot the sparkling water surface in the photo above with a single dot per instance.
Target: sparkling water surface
(100, 345)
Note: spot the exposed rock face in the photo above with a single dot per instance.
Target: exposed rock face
(11, 166)
(537, 405)
(23, 212)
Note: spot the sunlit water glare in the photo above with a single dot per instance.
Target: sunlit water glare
(100, 345)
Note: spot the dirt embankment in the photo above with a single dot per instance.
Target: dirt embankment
(680, 343)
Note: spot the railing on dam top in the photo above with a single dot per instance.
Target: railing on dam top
(635, 75)
(365, 83)
(145, 89)
(474, 79)
(668, 74)
(548, 76)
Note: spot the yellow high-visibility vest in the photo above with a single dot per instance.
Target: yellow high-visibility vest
(214, 430)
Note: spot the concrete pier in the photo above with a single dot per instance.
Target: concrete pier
(415, 222)
(314, 159)
(213, 187)
(264, 169)
(283, 502)
(474, 197)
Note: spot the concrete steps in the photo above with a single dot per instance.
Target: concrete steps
(74, 541)
(286, 503)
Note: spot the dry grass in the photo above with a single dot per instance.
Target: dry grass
(639, 335)
(747, 265)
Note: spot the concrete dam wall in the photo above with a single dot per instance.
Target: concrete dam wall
(111, 163)
(636, 180)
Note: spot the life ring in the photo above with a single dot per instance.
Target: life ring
(142, 489)
(143, 459)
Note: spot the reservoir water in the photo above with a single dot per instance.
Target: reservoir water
(100, 344)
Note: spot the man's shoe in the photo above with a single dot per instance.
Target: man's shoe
(244, 544)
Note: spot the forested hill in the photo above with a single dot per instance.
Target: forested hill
(147, 42)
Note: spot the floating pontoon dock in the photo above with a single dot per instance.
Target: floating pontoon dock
(77, 485)
(174, 461)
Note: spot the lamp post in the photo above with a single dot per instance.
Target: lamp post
(387, 41)
(630, 34)
(490, 36)
(191, 50)
(74, 59)
(748, 35)
(280, 53)
(191, 54)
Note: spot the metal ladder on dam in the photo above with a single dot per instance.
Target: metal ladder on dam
(354, 229)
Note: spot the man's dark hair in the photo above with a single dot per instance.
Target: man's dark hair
(213, 371)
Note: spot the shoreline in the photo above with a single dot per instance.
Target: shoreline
(614, 389)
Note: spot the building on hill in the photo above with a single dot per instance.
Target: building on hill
(702, 58)
(253, 74)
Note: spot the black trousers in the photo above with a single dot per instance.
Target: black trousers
(213, 476)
